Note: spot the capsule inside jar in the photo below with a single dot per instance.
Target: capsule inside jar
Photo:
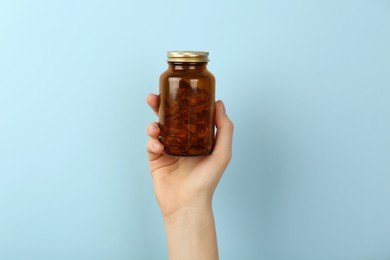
(187, 98)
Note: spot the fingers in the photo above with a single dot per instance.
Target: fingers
(153, 101)
(224, 138)
(153, 130)
(154, 149)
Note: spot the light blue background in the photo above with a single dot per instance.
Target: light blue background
(305, 82)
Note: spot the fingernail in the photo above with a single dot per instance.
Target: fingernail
(156, 146)
(152, 127)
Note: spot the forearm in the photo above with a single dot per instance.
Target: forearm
(191, 234)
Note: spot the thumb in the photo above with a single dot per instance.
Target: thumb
(224, 138)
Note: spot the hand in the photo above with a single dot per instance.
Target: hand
(188, 182)
(184, 188)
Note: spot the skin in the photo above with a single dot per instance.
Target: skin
(184, 188)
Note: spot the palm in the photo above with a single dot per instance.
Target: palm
(178, 181)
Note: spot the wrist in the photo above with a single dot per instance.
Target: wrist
(178, 206)
(188, 215)
(191, 234)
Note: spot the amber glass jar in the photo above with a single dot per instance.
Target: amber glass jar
(187, 97)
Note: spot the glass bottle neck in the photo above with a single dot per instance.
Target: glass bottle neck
(191, 66)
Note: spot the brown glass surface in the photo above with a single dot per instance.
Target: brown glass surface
(187, 97)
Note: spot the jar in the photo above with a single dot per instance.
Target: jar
(187, 98)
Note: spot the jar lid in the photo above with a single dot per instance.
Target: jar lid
(188, 56)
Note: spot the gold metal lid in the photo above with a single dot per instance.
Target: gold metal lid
(188, 56)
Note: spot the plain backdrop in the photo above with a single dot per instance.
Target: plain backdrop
(307, 84)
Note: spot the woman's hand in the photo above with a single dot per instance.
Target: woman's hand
(184, 188)
(181, 182)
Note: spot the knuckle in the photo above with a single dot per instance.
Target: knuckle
(149, 144)
(230, 125)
